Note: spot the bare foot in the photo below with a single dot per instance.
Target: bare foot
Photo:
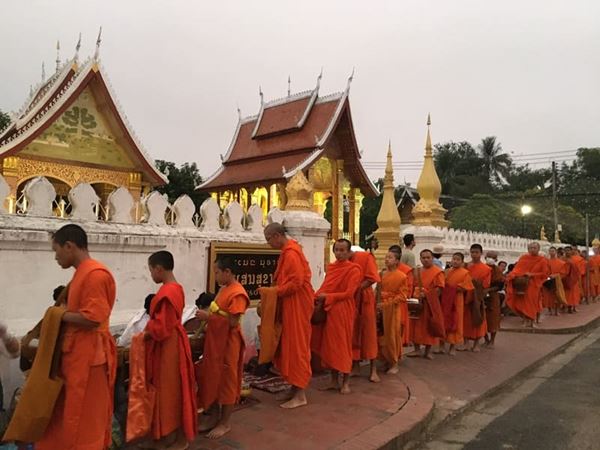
(355, 370)
(180, 444)
(284, 396)
(374, 378)
(462, 349)
(491, 345)
(452, 352)
(428, 356)
(330, 387)
(393, 370)
(219, 431)
(475, 349)
(294, 403)
(345, 390)
(208, 422)
(439, 352)
(413, 354)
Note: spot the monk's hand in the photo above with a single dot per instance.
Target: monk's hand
(202, 315)
(320, 298)
(11, 344)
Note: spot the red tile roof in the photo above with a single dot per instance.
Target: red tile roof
(291, 134)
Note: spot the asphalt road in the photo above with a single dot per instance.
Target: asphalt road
(562, 413)
(557, 407)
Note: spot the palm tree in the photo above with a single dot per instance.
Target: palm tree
(496, 165)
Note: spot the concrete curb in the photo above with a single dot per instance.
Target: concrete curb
(572, 330)
(405, 425)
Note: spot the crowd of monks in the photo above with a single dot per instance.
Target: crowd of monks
(359, 313)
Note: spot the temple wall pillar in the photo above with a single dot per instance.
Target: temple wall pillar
(10, 172)
(337, 200)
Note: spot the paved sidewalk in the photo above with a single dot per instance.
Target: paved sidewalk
(389, 414)
(370, 417)
(586, 317)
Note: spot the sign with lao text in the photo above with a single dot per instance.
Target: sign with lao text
(255, 265)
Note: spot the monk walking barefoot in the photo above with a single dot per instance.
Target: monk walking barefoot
(220, 377)
(458, 285)
(536, 268)
(364, 345)
(475, 325)
(169, 359)
(82, 414)
(295, 296)
(332, 340)
(429, 327)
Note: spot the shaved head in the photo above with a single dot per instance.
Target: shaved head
(275, 235)
(274, 228)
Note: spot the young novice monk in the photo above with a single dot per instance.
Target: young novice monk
(458, 278)
(332, 340)
(168, 360)
(393, 290)
(221, 366)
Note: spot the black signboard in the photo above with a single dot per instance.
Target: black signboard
(256, 264)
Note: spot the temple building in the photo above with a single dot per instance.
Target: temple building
(301, 132)
(72, 130)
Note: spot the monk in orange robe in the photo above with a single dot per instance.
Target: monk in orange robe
(429, 282)
(493, 311)
(393, 292)
(536, 268)
(365, 330)
(296, 301)
(594, 265)
(459, 280)
(169, 359)
(221, 366)
(581, 264)
(572, 280)
(558, 269)
(332, 340)
(82, 416)
(408, 271)
(480, 273)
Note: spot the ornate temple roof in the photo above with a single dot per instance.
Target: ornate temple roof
(52, 97)
(291, 134)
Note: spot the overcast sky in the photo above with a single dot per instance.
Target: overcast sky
(525, 71)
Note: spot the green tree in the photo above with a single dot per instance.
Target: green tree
(524, 178)
(459, 168)
(496, 164)
(182, 180)
(4, 120)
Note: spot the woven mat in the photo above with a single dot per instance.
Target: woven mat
(269, 383)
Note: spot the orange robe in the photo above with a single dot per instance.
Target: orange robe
(408, 271)
(572, 283)
(594, 265)
(493, 312)
(169, 365)
(394, 291)
(558, 268)
(461, 280)
(527, 305)
(296, 301)
(82, 417)
(221, 367)
(332, 340)
(581, 264)
(483, 273)
(365, 346)
(431, 278)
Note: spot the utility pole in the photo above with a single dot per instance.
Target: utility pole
(554, 208)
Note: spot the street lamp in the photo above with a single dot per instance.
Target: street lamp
(525, 210)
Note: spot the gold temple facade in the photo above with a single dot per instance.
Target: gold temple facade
(71, 130)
